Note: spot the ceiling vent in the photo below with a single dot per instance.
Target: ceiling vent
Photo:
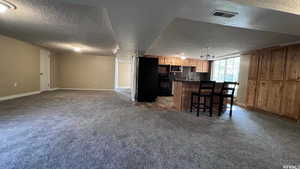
(225, 14)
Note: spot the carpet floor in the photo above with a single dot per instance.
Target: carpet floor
(104, 130)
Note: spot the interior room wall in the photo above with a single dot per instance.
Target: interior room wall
(19, 67)
(243, 79)
(80, 71)
(124, 73)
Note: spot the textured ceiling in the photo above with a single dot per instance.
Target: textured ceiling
(98, 26)
(192, 38)
(60, 25)
(289, 6)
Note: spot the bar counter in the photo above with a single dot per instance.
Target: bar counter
(182, 91)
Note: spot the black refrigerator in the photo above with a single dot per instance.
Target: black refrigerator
(147, 79)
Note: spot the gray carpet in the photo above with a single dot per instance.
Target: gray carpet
(76, 130)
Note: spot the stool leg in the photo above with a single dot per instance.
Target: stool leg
(205, 101)
(191, 108)
(231, 104)
(220, 105)
(198, 106)
(211, 106)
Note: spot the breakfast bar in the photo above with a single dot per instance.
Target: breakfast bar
(182, 90)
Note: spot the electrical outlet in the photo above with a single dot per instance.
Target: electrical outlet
(15, 84)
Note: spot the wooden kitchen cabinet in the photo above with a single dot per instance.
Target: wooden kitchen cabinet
(291, 100)
(254, 66)
(205, 66)
(251, 93)
(161, 60)
(293, 63)
(262, 95)
(277, 64)
(274, 96)
(199, 67)
(265, 65)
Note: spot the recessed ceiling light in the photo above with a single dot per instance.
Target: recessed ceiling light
(77, 49)
(183, 57)
(5, 5)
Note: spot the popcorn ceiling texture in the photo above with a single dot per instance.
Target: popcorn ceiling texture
(97, 26)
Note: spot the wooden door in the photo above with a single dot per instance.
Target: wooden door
(277, 64)
(168, 60)
(161, 60)
(291, 101)
(199, 67)
(205, 66)
(274, 96)
(293, 63)
(265, 64)
(262, 95)
(251, 93)
(254, 65)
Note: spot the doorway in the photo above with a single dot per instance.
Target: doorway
(44, 70)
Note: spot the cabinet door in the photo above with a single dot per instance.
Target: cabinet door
(161, 60)
(265, 64)
(205, 66)
(291, 101)
(251, 92)
(168, 60)
(185, 62)
(199, 67)
(254, 65)
(262, 95)
(293, 63)
(277, 64)
(274, 96)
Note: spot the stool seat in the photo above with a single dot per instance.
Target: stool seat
(227, 91)
(203, 99)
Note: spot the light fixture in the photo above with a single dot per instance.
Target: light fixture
(115, 51)
(5, 5)
(76, 49)
(183, 57)
(207, 56)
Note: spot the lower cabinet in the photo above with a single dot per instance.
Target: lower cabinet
(290, 100)
(251, 92)
(274, 96)
(262, 95)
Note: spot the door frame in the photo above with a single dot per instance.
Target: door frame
(44, 70)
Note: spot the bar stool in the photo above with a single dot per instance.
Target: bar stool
(204, 97)
(227, 92)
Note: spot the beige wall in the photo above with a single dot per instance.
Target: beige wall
(243, 79)
(124, 74)
(84, 71)
(19, 63)
(53, 80)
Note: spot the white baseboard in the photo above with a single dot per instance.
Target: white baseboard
(85, 89)
(240, 104)
(123, 88)
(52, 89)
(19, 95)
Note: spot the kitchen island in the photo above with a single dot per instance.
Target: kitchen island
(182, 91)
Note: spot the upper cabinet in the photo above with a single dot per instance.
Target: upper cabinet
(161, 60)
(254, 65)
(251, 93)
(277, 64)
(293, 63)
(200, 65)
(265, 64)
